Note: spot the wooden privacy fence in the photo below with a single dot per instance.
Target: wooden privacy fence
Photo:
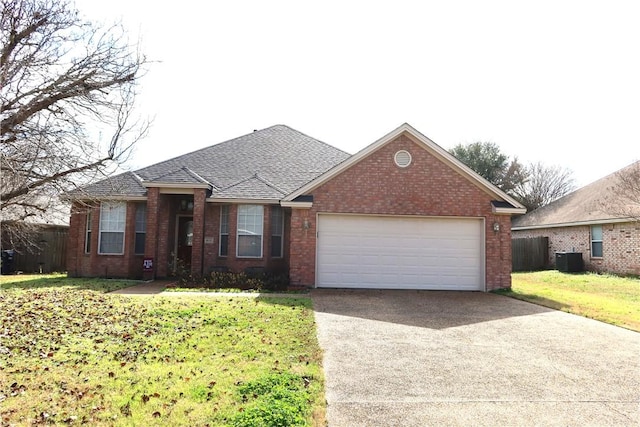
(530, 254)
(50, 256)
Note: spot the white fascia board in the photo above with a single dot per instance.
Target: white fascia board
(175, 185)
(112, 198)
(297, 205)
(441, 153)
(243, 201)
(509, 211)
(575, 224)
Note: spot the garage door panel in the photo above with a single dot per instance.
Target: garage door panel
(400, 252)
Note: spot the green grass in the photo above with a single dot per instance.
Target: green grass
(70, 354)
(61, 281)
(607, 298)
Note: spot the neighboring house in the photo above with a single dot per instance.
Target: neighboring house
(402, 213)
(588, 221)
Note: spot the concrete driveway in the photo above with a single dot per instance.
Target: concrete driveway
(418, 358)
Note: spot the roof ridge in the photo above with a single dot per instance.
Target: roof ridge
(236, 183)
(270, 184)
(259, 178)
(316, 139)
(136, 176)
(166, 174)
(197, 176)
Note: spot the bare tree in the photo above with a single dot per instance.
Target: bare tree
(543, 185)
(623, 197)
(64, 83)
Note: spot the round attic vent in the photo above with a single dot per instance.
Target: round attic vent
(402, 158)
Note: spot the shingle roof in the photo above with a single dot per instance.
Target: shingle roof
(253, 187)
(265, 164)
(184, 175)
(596, 202)
(125, 184)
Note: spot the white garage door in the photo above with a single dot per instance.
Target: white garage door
(400, 253)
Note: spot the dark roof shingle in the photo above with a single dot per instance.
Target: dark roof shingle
(126, 184)
(265, 164)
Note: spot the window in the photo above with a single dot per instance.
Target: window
(250, 231)
(141, 228)
(87, 234)
(277, 231)
(188, 233)
(112, 220)
(224, 230)
(596, 241)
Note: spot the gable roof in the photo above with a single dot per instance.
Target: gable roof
(587, 205)
(511, 206)
(264, 164)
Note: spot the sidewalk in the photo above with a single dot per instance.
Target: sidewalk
(153, 287)
(157, 287)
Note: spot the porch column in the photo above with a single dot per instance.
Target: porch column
(151, 235)
(199, 200)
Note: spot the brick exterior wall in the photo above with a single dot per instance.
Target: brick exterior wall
(160, 240)
(81, 264)
(231, 261)
(620, 246)
(375, 185)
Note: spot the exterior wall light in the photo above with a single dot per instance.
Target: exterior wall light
(496, 227)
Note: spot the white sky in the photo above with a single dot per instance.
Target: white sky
(555, 81)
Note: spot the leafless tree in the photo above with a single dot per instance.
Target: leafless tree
(65, 82)
(543, 185)
(623, 197)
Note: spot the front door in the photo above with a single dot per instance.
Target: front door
(184, 239)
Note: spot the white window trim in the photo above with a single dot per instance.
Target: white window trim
(238, 234)
(281, 235)
(124, 234)
(592, 241)
(87, 232)
(222, 209)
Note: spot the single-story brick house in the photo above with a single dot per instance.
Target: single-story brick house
(401, 213)
(595, 220)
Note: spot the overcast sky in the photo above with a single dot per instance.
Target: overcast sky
(552, 81)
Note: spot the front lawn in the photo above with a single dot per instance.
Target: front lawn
(73, 355)
(60, 281)
(607, 298)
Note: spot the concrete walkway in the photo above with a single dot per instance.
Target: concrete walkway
(154, 287)
(416, 358)
(157, 287)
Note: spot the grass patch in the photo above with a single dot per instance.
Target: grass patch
(608, 298)
(72, 355)
(61, 281)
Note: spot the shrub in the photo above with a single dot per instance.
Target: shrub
(258, 281)
(274, 401)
